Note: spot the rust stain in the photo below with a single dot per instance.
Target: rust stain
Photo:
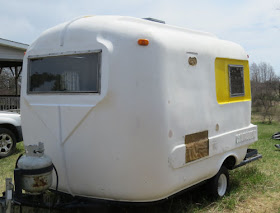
(217, 127)
(170, 133)
(39, 182)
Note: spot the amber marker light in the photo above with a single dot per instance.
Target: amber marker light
(143, 42)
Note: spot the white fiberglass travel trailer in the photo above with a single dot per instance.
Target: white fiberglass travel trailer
(134, 110)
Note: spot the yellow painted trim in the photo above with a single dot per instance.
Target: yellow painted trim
(222, 80)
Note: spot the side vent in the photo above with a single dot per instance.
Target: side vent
(155, 20)
(197, 146)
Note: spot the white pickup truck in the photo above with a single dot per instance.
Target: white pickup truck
(10, 132)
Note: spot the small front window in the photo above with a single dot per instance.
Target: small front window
(236, 80)
(75, 73)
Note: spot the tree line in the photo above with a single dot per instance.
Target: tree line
(265, 87)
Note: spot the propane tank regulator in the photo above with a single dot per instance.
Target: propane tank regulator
(33, 172)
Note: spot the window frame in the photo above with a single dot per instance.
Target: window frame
(70, 53)
(229, 77)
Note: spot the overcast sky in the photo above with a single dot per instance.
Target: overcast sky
(254, 24)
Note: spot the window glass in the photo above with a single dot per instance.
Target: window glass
(236, 80)
(65, 73)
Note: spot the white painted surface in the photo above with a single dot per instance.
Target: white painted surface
(13, 44)
(10, 118)
(10, 50)
(120, 144)
(7, 53)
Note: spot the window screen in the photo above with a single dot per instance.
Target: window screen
(65, 73)
(236, 80)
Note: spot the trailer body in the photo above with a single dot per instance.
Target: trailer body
(134, 110)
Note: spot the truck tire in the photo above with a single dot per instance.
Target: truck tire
(219, 184)
(7, 142)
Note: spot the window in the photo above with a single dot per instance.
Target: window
(77, 73)
(236, 80)
(232, 80)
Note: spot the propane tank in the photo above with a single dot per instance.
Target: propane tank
(35, 169)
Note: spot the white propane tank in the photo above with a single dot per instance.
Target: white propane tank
(36, 169)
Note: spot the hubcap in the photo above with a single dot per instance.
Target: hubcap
(222, 185)
(6, 143)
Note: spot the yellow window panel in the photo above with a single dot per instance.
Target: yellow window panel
(223, 80)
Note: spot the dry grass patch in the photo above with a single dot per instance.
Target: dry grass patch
(259, 203)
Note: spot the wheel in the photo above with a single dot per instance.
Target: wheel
(219, 184)
(7, 142)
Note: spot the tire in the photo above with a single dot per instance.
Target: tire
(7, 142)
(219, 184)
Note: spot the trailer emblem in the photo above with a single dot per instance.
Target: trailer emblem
(192, 61)
(246, 136)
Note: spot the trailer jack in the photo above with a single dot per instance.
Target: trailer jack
(7, 200)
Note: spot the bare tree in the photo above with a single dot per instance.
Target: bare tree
(6, 82)
(16, 71)
(9, 80)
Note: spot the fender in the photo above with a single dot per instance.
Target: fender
(12, 121)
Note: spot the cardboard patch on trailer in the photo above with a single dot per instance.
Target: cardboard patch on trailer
(197, 146)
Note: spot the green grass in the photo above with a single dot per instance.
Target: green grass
(7, 165)
(254, 187)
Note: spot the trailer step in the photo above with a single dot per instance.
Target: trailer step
(252, 155)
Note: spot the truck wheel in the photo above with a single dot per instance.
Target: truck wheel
(219, 184)
(7, 142)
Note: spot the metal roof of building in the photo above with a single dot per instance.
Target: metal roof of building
(13, 44)
(11, 53)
